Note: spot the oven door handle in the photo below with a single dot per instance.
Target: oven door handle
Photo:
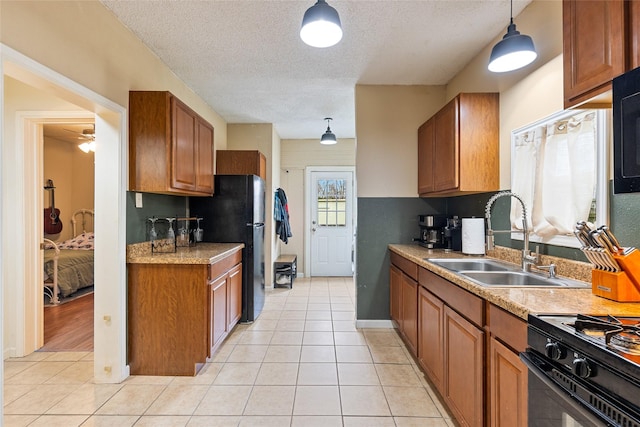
(559, 391)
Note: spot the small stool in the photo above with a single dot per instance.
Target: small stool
(284, 271)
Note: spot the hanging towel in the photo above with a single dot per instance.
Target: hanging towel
(281, 215)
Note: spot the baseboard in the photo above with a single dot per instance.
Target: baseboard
(374, 324)
(8, 353)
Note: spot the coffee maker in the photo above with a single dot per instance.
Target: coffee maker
(432, 231)
(453, 235)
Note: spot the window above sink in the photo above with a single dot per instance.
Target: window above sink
(559, 167)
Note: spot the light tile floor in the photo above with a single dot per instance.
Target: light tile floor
(302, 363)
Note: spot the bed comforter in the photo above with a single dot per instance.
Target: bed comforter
(75, 269)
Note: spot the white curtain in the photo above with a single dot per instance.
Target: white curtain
(555, 174)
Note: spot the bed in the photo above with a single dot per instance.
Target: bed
(68, 265)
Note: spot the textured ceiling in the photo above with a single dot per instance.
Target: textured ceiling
(246, 60)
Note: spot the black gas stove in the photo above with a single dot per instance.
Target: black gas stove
(585, 369)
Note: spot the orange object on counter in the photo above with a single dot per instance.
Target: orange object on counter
(623, 286)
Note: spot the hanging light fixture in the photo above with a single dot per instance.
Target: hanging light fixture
(88, 146)
(328, 138)
(321, 25)
(514, 51)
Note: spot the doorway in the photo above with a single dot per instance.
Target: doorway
(331, 219)
(68, 165)
(22, 218)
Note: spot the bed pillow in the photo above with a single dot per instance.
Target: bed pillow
(82, 241)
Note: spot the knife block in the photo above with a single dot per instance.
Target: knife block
(623, 286)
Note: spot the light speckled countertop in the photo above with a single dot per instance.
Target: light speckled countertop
(522, 301)
(201, 253)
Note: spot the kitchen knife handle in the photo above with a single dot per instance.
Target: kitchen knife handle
(611, 237)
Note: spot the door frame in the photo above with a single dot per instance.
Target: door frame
(308, 196)
(110, 226)
(29, 128)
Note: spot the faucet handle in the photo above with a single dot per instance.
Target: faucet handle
(550, 267)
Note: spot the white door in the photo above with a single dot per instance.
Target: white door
(331, 223)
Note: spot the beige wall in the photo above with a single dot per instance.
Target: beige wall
(387, 121)
(387, 117)
(295, 156)
(72, 172)
(526, 95)
(84, 41)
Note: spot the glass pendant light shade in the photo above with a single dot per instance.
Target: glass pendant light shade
(88, 146)
(514, 51)
(321, 25)
(328, 138)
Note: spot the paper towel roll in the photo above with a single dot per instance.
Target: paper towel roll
(473, 236)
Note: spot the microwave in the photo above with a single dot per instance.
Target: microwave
(626, 132)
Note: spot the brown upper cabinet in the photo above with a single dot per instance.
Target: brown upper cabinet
(600, 42)
(241, 162)
(458, 148)
(170, 146)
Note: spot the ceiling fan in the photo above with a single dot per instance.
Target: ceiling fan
(89, 137)
(86, 134)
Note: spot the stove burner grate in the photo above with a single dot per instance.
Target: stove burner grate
(618, 335)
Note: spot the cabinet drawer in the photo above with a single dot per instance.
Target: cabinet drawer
(409, 267)
(224, 265)
(465, 303)
(509, 329)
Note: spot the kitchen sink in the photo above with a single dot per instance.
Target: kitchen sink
(472, 264)
(499, 274)
(510, 279)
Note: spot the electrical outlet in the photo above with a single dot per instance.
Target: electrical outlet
(138, 200)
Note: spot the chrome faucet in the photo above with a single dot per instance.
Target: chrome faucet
(527, 259)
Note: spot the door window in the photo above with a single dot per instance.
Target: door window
(332, 202)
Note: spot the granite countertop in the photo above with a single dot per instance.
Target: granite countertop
(523, 301)
(201, 253)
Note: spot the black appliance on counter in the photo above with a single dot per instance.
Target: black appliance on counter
(453, 235)
(432, 231)
(583, 370)
(236, 214)
(626, 132)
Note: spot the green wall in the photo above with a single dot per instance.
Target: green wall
(158, 205)
(382, 221)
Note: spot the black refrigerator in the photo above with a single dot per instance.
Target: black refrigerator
(235, 214)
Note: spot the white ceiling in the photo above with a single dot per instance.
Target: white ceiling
(246, 59)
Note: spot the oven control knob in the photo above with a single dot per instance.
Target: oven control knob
(554, 351)
(582, 368)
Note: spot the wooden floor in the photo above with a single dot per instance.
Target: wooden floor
(69, 326)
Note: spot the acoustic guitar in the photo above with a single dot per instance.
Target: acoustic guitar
(52, 223)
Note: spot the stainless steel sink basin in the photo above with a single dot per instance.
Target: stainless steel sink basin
(472, 264)
(510, 279)
(498, 274)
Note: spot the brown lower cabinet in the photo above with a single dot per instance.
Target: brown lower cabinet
(404, 299)
(431, 337)
(467, 347)
(177, 315)
(507, 374)
(451, 345)
(225, 305)
(464, 364)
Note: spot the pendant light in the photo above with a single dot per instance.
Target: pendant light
(514, 51)
(328, 138)
(321, 25)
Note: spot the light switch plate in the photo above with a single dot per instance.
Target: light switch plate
(138, 200)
